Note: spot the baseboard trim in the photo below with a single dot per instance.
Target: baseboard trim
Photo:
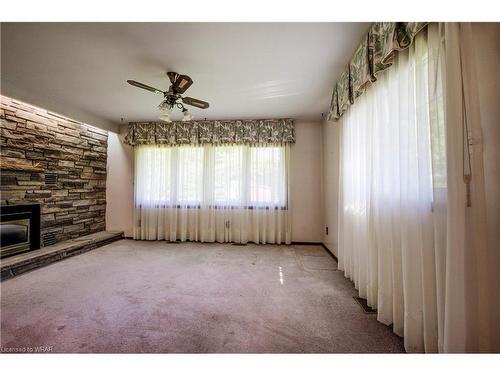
(330, 252)
(293, 243)
(364, 305)
(305, 243)
(317, 244)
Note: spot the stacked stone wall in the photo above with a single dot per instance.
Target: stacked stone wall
(55, 161)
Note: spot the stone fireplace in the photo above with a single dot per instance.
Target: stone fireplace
(56, 163)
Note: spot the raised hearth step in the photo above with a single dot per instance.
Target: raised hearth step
(18, 264)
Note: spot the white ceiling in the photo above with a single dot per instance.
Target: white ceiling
(244, 70)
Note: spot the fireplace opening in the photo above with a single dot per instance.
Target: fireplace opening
(19, 229)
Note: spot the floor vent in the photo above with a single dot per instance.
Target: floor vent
(50, 179)
(364, 305)
(49, 239)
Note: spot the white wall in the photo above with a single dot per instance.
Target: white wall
(119, 185)
(331, 143)
(306, 198)
(305, 184)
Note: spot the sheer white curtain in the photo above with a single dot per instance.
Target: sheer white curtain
(392, 208)
(472, 322)
(230, 193)
(413, 223)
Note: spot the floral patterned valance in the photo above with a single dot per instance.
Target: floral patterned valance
(211, 132)
(374, 54)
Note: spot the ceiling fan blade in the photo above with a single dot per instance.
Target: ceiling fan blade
(195, 102)
(143, 86)
(182, 83)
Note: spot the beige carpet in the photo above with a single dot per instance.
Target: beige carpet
(133, 296)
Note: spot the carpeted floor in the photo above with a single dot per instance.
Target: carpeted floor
(133, 296)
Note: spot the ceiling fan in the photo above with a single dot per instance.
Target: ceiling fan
(172, 97)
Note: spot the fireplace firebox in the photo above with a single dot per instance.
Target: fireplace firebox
(19, 228)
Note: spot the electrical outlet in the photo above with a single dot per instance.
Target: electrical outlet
(326, 230)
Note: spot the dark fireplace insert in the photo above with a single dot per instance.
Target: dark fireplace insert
(19, 228)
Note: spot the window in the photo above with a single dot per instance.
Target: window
(267, 176)
(228, 175)
(392, 175)
(188, 167)
(193, 176)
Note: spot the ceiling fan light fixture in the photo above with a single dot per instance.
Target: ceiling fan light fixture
(172, 98)
(165, 107)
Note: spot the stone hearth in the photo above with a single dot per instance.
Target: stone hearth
(18, 264)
